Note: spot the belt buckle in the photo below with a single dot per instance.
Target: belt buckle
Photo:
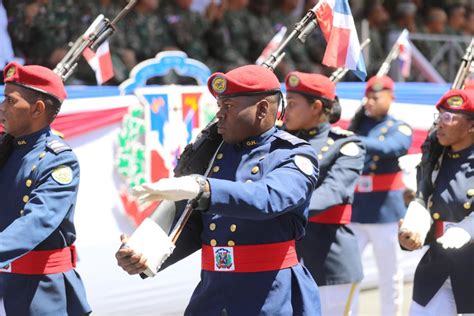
(365, 184)
(223, 258)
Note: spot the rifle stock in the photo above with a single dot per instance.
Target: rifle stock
(93, 37)
(302, 29)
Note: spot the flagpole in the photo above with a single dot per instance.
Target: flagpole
(302, 29)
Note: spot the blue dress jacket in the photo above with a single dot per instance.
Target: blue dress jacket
(451, 201)
(330, 250)
(38, 188)
(385, 141)
(260, 192)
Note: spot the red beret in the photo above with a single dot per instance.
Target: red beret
(376, 84)
(245, 80)
(457, 101)
(37, 78)
(311, 84)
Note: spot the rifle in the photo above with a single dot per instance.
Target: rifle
(383, 70)
(339, 73)
(464, 70)
(431, 149)
(302, 29)
(97, 33)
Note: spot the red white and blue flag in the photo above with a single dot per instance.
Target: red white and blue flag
(404, 55)
(343, 47)
(100, 62)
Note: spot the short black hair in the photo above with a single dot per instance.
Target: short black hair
(53, 105)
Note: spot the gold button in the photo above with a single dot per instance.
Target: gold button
(33, 167)
(470, 192)
(255, 170)
(230, 243)
(390, 123)
(375, 158)
(219, 156)
(28, 183)
(467, 205)
(436, 216)
(373, 166)
(22, 212)
(42, 155)
(325, 148)
(25, 198)
(212, 226)
(384, 129)
(213, 242)
(233, 228)
(330, 141)
(381, 138)
(215, 169)
(320, 156)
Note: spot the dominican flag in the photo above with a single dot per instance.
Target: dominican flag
(271, 46)
(343, 47)
(404, 55)
(100, 62)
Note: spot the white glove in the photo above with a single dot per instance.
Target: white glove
(171, 189)
(454, 237)
(417, 220)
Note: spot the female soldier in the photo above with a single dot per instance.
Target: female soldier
(329, 249)
(444, 278)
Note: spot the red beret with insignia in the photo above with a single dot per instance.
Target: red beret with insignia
(376, 84)
(35, 77)
(457, 101)
(245, 80)
(311, 84)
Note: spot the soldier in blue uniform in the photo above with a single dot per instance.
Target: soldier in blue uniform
(329, 249)
(444, 278)
(257, 198)
(378, 202)
(39, 178)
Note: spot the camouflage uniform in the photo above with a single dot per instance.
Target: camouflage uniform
(188, 29)
(228, 42)
(50, 29)
(296, 50)
(261, 32)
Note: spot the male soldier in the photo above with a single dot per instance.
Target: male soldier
(38, 188)
(444, 278)
(378, 202)
(329, 249)
(253, 207)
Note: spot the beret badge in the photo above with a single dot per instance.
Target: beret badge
(293, 81)
(455, 101)
(10, 72)
(219, 84)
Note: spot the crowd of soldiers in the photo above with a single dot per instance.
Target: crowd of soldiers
(225, 35)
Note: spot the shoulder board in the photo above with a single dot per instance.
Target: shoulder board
(289, 138)
(56, 146)
(340, 132)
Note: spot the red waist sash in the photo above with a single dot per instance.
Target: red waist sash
(39, 262)
(249, 258)
(380, 182)
(339, 214)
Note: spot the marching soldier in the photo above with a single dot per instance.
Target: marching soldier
(444, 278)
(378, 202)
(251, 208)
(39, 179)
(329, 249)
